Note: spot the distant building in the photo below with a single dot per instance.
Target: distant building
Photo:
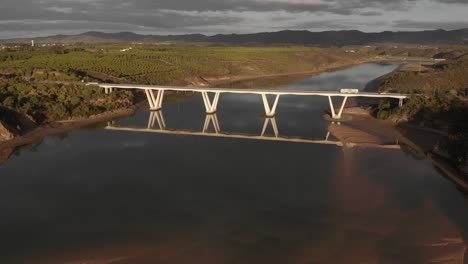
(32, 43)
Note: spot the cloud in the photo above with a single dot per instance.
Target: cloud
(65, 10)
(226, 16)
(412, 24)
(371, 13)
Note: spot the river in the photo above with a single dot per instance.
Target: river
(104, 196)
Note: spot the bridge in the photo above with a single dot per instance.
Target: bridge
(212, 128)
(155, 95)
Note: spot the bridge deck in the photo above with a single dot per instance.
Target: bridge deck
(251, 91)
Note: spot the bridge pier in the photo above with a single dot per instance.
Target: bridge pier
(271, 120)
(400, 103)
(211, 106)
(332, 107)
(155, 102)
(159, 117)
(211, 119)
(108, 90)
(270, 111)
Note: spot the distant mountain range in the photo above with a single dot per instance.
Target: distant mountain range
(326, 38)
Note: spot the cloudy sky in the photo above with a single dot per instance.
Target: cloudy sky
(25, 18)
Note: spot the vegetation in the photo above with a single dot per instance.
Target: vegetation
(161, 64)
(441, 103)
(46, 83)
(60, 102)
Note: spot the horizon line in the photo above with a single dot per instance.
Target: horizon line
(227, 34)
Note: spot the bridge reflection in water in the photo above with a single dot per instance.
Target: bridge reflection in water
(212, 128)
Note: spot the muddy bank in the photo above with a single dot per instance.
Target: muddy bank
(423, 139)
(58, 127)
(363, 130)
(5, 154)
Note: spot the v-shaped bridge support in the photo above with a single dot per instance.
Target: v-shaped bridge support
(211, 106)
(155, 102)
(271, 120)
(157, 116)
(211, 119)
(270, 111)
(332, 107)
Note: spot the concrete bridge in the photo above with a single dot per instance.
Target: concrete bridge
(212, 128)
(155, 95)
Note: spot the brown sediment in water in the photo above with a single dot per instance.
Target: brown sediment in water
(5, 154)
(364, 206)
(348, 134)
(363, 129)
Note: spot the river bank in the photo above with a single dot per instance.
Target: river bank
(37, 134)
(425, 140)
(57, 127)
(362, 128)
(233, 80)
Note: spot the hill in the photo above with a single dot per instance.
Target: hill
(325, 38)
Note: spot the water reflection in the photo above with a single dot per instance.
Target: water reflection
(106, 196)
(212, 128)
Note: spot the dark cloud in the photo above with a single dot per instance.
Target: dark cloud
(454, 2)
(371, 13)
(411, 24)
(208, 16)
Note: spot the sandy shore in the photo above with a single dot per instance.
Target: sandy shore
(421, 140)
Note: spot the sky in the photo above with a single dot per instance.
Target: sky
(31, 18)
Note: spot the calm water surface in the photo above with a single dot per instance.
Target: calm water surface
(103, 196)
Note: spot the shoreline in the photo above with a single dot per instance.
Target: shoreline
(330, 68)
(57, 127)
(305, 74)
(62, 126)
(422, 139)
